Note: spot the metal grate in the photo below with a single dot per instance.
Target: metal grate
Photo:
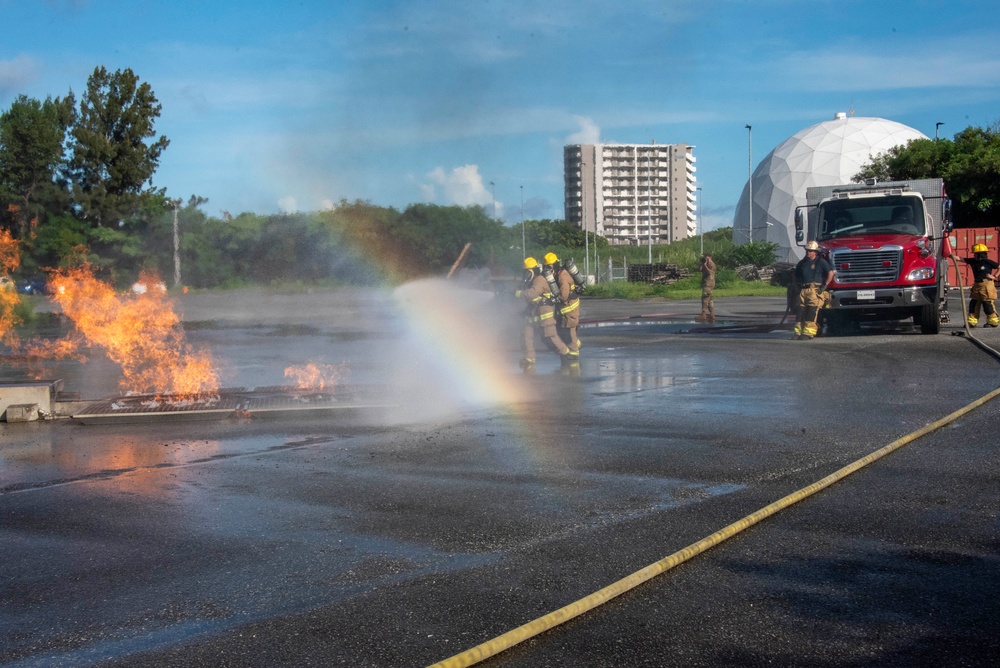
(230, 402)
(866, 266)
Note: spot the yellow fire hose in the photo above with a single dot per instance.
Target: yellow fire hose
(541, 624)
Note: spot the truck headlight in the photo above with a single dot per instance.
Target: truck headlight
(921, 274)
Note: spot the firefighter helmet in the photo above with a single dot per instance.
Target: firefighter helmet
(530, 263)
(980, 248)
(812, 245)
(550, 258)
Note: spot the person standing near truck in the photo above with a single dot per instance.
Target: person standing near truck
(707, 286)
(984, 290)
(812, 274)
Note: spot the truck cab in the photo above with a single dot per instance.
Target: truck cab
(886, 244)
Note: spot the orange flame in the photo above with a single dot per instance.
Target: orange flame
(10, 259)
(318, 376)
(65, 348)
(140, 332)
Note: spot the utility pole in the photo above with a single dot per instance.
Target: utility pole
(524, 250)
(649, 211)
(177, 245)
(750, 178)
(493, 187)
(701, 230)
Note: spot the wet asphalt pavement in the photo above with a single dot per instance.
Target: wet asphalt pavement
(474, 498)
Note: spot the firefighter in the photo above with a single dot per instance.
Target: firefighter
(539, 313)
(812, 274)
(984, 290)
(568, 318)
(707, 286)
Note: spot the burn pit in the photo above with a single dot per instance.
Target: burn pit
(240, 402)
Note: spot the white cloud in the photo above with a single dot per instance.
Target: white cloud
(462, 186)
(16, 73)
(288, 204)
(854, 65)
(589, 132)
(327, 204)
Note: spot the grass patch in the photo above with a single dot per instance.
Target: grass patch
(688, 288)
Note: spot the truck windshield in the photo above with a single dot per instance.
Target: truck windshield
(871, 215)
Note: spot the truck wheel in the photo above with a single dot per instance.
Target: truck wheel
(929, 318)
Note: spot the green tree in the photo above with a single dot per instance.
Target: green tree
(437, 235)
(969, 165)
(111, 162)
(32, 150)
(367, 242)
(551, 233)
(56, 241)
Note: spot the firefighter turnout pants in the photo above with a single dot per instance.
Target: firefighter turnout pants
(983, 293)
(807, 310)
(569, 321)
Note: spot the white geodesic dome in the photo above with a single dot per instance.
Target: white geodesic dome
(824, 154)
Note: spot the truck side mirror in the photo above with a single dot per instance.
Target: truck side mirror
(798, 223)
(799, 237)
(946, 217)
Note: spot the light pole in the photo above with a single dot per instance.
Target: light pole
(649, 212)
(701, 230)
(493, 187)
(584, 223)
(936, 127)
(750, 178)
(524, 250)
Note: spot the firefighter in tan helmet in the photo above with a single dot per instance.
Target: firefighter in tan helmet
(984, 290)
(812, 274)
(539, 313)
(567, 304)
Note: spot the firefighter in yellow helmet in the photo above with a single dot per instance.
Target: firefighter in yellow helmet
(984, 290)
(539, 313)
(568, 306)
(812, 274)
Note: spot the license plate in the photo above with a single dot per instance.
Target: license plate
(866, 294)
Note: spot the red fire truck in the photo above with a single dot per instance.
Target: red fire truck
(887, 244)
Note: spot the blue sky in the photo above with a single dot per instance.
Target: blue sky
(294, 105)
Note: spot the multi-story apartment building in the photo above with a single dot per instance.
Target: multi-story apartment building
(632, 193)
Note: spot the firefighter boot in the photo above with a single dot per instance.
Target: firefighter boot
(973, 320)
(992, 320)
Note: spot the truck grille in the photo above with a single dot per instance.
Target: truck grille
(866, 266)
